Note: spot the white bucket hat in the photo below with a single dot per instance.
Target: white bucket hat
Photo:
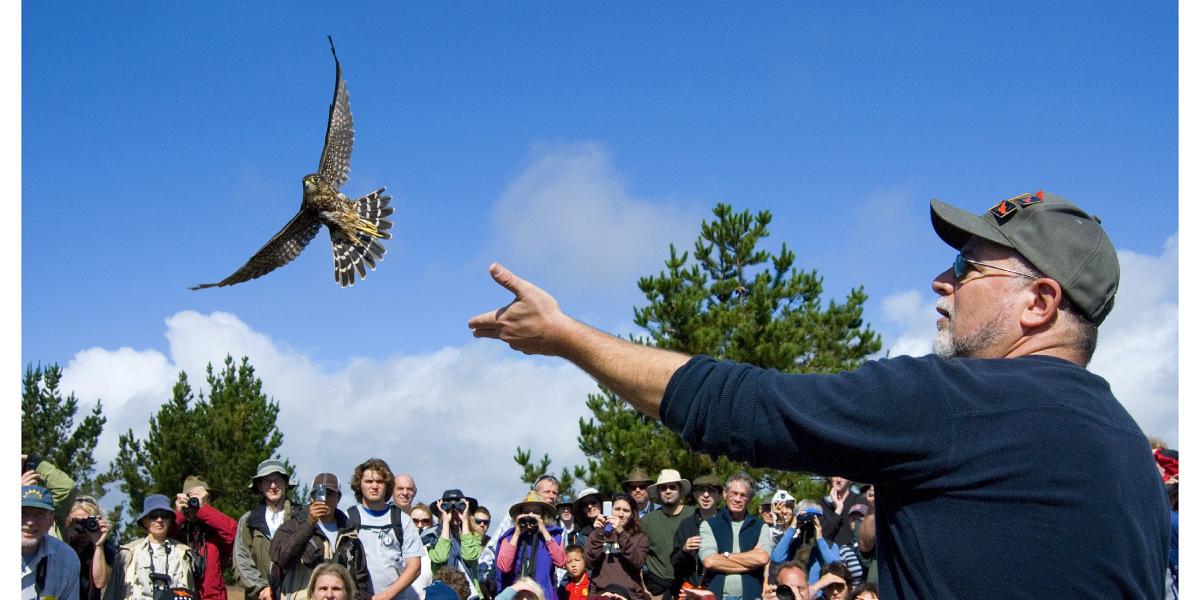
(669, 476)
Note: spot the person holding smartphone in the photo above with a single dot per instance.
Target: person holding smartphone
(309, 536)
(617, 548)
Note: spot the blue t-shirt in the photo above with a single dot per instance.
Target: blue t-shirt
(1001, 478)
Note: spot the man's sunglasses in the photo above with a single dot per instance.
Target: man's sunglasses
(483, 522)
(962, 266)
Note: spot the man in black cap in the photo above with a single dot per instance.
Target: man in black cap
(972, 449)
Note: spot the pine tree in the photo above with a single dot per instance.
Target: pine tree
(221, 439)
(48, 427)
(737, 302)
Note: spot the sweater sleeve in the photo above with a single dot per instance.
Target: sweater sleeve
(634, 548)
(472, 546)
(224, 526)
(557, 555)
(440, 552)
(62, 491)
(783, 546)
(885, 422)
(505, 557)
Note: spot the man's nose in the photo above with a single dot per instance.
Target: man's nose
(943, 283)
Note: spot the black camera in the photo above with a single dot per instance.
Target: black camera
(805, 519)
(784, 592)
(194, 503)
(452, 506)
(31, 463)
(91, 523)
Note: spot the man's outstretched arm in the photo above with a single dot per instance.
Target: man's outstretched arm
(534, 324)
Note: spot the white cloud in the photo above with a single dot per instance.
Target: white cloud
(1138, 351)
(452, 418)
(568, 217)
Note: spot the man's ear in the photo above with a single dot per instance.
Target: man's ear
(1042, 299)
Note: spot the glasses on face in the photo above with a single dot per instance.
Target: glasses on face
(159, 516)
(483, 522)
(423, 522)
(668, 487)
(635, 486)
(963, 265)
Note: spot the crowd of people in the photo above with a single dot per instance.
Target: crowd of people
(661, 537)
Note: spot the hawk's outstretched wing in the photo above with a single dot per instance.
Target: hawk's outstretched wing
(339, 132)
(281, 250)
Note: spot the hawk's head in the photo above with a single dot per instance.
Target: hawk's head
(312, 182)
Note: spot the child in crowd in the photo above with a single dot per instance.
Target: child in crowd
(575, 585)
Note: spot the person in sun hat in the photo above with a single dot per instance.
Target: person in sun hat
(660, 525)
(637, 485)
(256, 527)
(955, 441)
(460, 540)
(208, 531)
(584, 510)
(532, 547)
(156, 562)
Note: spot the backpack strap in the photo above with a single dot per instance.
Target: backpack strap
(354, 522)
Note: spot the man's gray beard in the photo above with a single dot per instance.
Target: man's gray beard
(29, 546)
(947, 345)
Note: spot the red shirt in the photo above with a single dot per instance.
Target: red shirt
(578, 590)
(217, 550)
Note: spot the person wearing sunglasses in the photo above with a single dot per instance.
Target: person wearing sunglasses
(999, 432)
(151, 565)
(637, 485)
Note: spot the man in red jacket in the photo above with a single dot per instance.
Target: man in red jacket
(209, 532)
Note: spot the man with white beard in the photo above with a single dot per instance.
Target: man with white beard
(49, 567)
(972, 449)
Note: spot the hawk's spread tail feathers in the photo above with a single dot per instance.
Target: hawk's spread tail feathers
(350, 255)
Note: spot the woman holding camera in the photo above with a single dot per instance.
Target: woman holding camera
(460, 542)
(532, 548)
(87, 533)
(617, 548)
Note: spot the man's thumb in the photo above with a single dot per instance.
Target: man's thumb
(507, 279)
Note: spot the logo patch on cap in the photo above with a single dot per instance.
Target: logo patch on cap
(1005, 208)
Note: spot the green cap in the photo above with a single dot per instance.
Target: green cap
(1065, 243)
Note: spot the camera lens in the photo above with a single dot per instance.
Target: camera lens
(194, 503)
(91, 523)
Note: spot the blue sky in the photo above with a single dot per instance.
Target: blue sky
(163, 145)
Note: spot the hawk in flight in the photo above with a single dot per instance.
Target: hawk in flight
(355, 226)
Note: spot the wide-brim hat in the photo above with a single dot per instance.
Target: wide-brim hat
(669, 476)
(584, 496)
(155, 502)
(636, 476)
(533, 500)
(194, 481)
(1057, 237)
(711, 481)
(453, 495)
(269, 467)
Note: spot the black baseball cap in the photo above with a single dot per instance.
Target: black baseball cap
(1057, 237)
